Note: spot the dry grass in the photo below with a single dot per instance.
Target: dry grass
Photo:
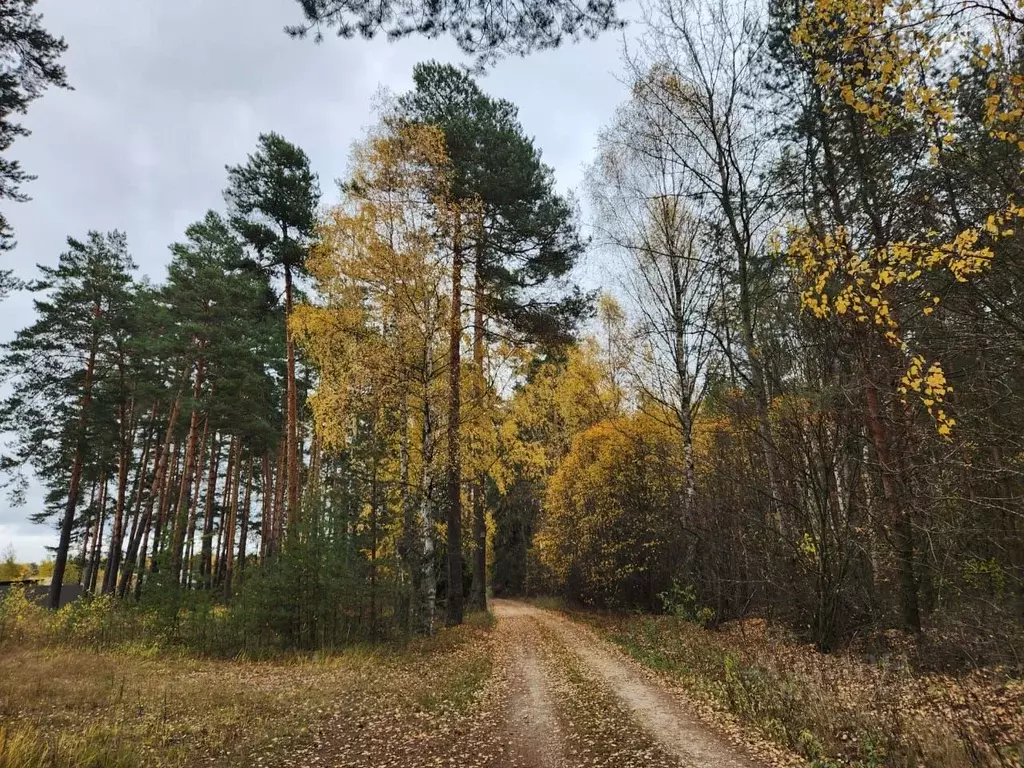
(834, 709)
(136, 706)
(25, 747)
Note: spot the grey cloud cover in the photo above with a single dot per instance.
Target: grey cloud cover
(169, 91)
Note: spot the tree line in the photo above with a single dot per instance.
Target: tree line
(811, 408)
(803, 402)
(176, 424)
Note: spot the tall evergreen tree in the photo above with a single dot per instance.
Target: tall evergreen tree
(518, 234)
(273, 202)
(55, 367)
(216, 307)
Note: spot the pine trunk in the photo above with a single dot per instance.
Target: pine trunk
(277, 523)
(193, 510)
(117, 533)
(159, 532)
(125, 557)
(90, 578)
(220, 566)
(454, 470)
(64, 543)
(266, 507)
(206, 546)
(232, 524)
(292, 425)
(132, 563)
(90, 531)
(478, 592)
(180, 522)
(243, 534)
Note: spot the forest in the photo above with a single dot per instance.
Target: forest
(358, 413)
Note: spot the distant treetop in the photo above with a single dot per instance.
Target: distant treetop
(486, 29)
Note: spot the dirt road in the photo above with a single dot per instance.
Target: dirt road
(574, 700)
(558, 696)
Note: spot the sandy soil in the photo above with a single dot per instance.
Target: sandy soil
(574, 700)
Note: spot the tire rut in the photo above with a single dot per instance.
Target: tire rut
(614, 713)
(535, 732)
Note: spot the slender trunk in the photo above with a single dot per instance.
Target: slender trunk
(159, 531)
(117, 533)
(193, 510)
(97, 545)
(64, 542)
(454, 475)
(374, 533)
(128, 556)
(265, 522)
(206, 547)
(896, 511)
(292, 419)
(409, 549)
(315, 451)
(739, 232)
(161, 467)
(142, 564)
(92, 565)
(119, 501)
(478, 590)
(428, 579)
(243, 534)
(685, 383)
(180, 521)
(279, 494)
(232, 524)
(220, 567)
(90, 531)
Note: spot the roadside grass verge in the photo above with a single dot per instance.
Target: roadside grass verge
(834, 710)
(73, 701)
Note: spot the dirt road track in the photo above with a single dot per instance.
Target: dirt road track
(574, 700)
(558, 696)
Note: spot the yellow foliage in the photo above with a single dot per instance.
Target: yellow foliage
(378, 274)
(611, 517)
(881, 57)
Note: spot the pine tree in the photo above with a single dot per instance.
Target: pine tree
(216, 307)
(485, 30)
(57, 366)
(517, 234)
(273, 199)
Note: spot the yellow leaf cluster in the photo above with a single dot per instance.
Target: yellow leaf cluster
(840, 281)
(882, 59)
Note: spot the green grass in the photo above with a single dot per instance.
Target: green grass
(549, 603)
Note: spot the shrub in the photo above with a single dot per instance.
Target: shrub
(681, 602)
(19, 617)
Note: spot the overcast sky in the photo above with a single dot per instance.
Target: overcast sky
(169, 91)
